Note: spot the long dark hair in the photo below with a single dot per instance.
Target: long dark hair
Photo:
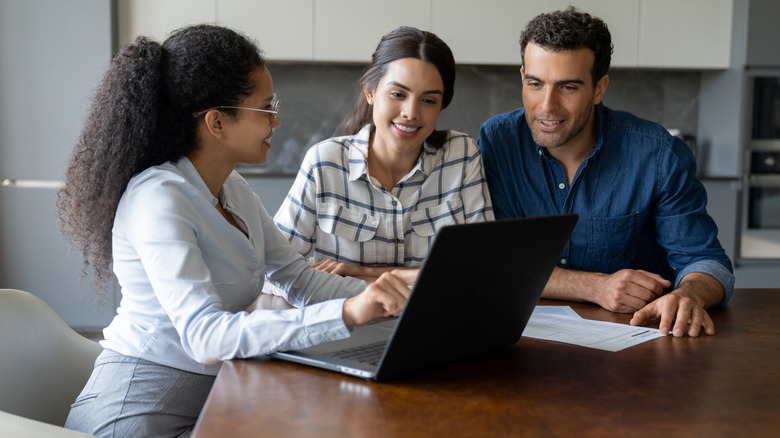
(141, 116)
(403, 42)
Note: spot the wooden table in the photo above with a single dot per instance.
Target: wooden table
(726, 385)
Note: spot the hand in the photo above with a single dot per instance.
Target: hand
(366, 273)
(346, 269)
(686, 314)
(685, 307)
(384, 297)
(629, 290)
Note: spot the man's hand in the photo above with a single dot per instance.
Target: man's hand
(629, 290)
(684, 307)
(625, 291)
(384, 297)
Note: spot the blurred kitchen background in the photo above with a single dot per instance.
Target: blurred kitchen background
(690, 65)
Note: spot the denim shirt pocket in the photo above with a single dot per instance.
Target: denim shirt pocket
(427, 221)
(611, 240)
(349, 224)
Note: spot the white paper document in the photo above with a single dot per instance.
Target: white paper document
(560, 326)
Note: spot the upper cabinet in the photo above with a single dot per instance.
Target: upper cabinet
(762, 34)
(283, 29)
(622, 18)
(481, 32)
(685, 33)
(157, 19)
(645, 33)
(349, 30)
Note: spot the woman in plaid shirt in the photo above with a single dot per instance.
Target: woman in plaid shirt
(373, 200)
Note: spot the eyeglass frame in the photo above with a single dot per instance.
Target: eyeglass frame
(275, 104)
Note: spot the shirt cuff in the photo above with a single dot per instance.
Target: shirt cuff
(321, 324)
(716, 270)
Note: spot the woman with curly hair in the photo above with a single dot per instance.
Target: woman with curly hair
(151, 199)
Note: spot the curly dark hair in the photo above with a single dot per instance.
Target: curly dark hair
(403, 42)
(141, 116)
(571, 29)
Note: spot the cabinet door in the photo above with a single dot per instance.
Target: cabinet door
(622, 19)
(349, 30)
(480, 32)
(685, 33)
(283, 29)
(157, 19)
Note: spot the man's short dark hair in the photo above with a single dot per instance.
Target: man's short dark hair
(571, 29)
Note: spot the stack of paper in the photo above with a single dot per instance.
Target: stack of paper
(562, 324)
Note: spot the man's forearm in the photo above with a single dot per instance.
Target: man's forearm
(571, 285)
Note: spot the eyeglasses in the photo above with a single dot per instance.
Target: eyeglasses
(275, 103)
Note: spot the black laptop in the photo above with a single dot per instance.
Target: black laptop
(475, 293)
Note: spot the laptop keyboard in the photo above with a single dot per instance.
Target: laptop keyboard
(370, 353)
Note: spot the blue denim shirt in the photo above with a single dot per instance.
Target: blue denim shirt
(639, 203)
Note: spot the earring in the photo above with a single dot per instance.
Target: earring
(370, 101)
(220, 133)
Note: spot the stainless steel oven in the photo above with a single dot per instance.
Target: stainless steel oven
(760, 220)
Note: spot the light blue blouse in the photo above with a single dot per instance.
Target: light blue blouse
(187, 276)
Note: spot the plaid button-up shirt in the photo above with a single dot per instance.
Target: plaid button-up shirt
(335, 210)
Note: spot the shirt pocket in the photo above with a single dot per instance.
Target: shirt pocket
(427, 222)
(346, 223)
(612, 240)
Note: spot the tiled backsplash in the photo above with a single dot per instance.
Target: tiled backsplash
(317, 97)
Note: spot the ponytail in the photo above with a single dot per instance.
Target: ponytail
(110, 150)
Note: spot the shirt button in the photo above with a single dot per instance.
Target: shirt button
(561, 186)
(256, 274)
(394, 203)
(540, 152)
(396, 241)
(563, 261)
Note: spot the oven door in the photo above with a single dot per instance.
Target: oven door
(760, 237)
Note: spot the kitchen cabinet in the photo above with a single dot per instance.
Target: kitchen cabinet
(283, 29)
(761, 33)
(483, 32)
(349, 30)
(157, 19)
(622, 18)
(685, 33)
(646, 33)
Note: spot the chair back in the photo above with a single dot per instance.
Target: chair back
(44, 364)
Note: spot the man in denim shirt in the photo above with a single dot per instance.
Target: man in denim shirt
(644, 243)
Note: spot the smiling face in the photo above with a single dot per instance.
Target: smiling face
(249, 136)
(559, 97)
(406, 106)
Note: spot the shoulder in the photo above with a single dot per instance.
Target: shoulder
(156, 195)
(642, 139)
(506, 122)
(459, 144)
(334, 150)
(615, 122)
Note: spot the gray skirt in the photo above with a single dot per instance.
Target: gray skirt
(131, 397)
